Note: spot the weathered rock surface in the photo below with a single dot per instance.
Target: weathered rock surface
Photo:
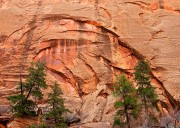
(85, 43)
(93, 125)
(21, 123)
(5, 115)
(2, 126)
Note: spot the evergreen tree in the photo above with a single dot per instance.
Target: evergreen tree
(145, 89)
(23, 104)
(127, 105)
(56, 102)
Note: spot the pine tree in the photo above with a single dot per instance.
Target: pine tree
(23, 104)
(145, 89)
(56, 102)
(36, 80)
(127, 105)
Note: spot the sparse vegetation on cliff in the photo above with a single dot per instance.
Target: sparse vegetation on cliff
(24, 103)
(127, 104)
(145, 90)
(56, 103)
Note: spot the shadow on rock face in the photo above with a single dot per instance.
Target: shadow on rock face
(5, 115)
(73, 120)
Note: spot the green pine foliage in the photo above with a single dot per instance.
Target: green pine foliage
(56, 103)
(23, 104)
(127, 105)
(36, 80)
(145, 89)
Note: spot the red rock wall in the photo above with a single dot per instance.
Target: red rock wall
(83, 56)
(85, 43)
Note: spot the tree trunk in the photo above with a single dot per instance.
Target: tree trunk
(127, 117)
(21, 84)
(55, 120)
(29, 93)
(145, 104)
(126, 112)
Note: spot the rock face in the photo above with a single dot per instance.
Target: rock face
(21, 123)
(86, 43)
(82, 56)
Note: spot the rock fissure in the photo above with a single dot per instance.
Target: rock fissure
(172, 103)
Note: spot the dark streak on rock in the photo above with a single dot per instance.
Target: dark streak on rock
(134, 51)
(172, 101)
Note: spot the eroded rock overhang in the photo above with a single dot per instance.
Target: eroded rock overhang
(81, 56)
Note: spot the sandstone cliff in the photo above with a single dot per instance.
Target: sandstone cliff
(85, 43)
